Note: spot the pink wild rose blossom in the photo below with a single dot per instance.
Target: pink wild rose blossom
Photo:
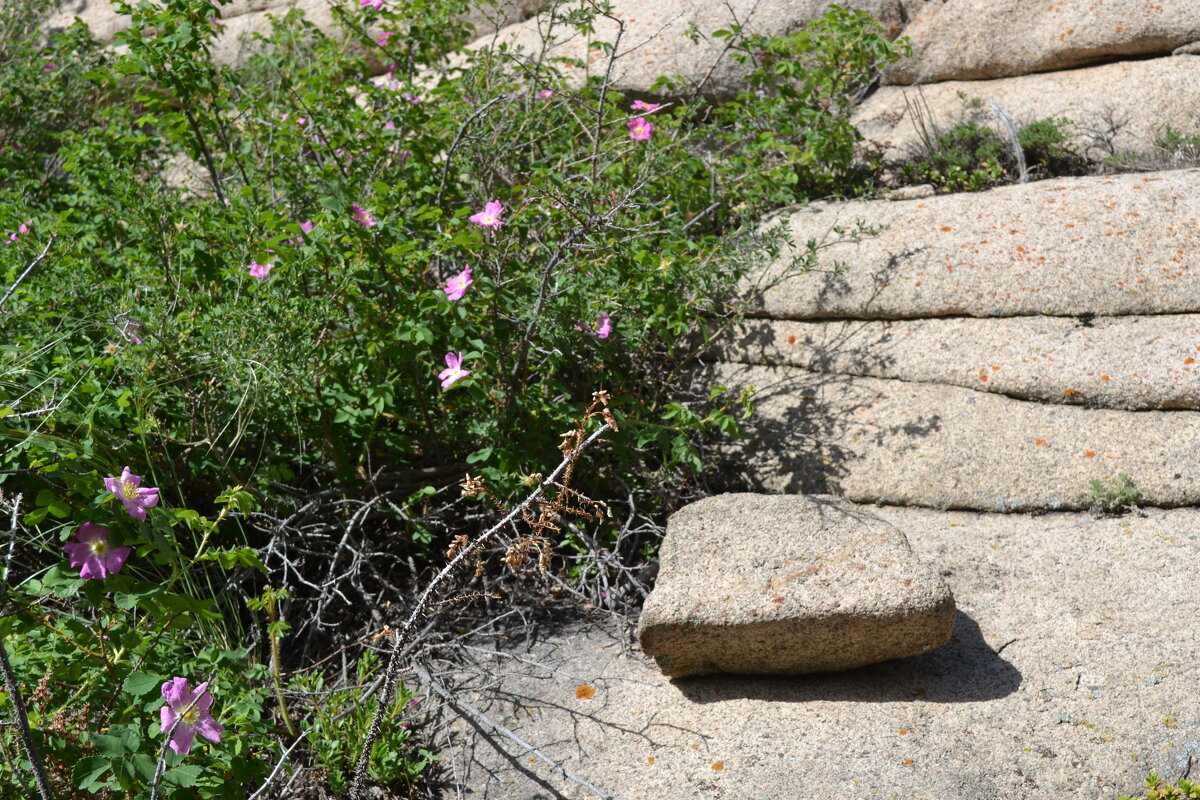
(490, 216)
(642, 105)
(187, 721)
(601, 328)
(640, 129)
(457, 286)
(23, 228)
(362, 216)
(260, 271)
(453, 371)
(545, 94)
(93, 553)
(129, 490)
(375, 4)
(383, 37)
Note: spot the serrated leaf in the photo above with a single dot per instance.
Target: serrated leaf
(88, 773)
(140, 683)
(184, 775)
(111, 746)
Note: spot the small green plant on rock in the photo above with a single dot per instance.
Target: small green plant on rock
(1121, 496)
(971, 155)
(1048, 148)
(1157, 789)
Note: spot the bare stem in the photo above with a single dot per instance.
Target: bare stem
(404, 635)
(28, 270)
(10, 679)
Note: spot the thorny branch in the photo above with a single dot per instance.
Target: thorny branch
(574, 444)
(10, 679)
(28, 270)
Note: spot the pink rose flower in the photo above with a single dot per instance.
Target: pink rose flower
(640, 129)
(129, 490)
(601, 328)
(642, 105)
(362, 216)
(490, 216)
(453, 371)
(457, 286)
(93, 554)
(187, 721)
(260, 271)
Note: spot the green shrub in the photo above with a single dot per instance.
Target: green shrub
(1049, 151)
(966, 158)
(254, 278)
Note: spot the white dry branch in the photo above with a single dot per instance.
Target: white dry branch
(404, 635)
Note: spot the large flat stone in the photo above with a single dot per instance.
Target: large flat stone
(1143, 96)
(245, 17)
(786, 585)
(655, 40)
(999, 38)
(891, 441)
(1073, 671)
(1109, 245)
(1134, 363)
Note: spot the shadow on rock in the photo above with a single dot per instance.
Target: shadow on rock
(963, 670)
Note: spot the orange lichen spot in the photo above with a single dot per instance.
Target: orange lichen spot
(693, 747)
(585, 692)
(533, 760)
(719, 765)
(1090, 454)
(904, 732)
(1069, 392)
(1104, 378)
(1189, 360)
(649, 759)
(791, 339)
(983, 376)
(1119, 28)
(994, 367)
(946, 229)
(1038, 442)
(908, 762)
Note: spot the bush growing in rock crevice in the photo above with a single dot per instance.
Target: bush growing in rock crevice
(300, 304)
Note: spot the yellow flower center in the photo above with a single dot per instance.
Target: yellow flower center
(99, 547)
(129, 490)
(192, 716)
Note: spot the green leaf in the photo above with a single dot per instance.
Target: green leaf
(184, 775)
(140, 683)
(88, 773)
(108, 745)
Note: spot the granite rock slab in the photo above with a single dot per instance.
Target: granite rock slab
(787, 585)
(655, 40)
(245, 17)
(1073, 671)
(1132, 363)
(1142, 97)
(904, 443)
(1001, 38)
(1100, 245)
